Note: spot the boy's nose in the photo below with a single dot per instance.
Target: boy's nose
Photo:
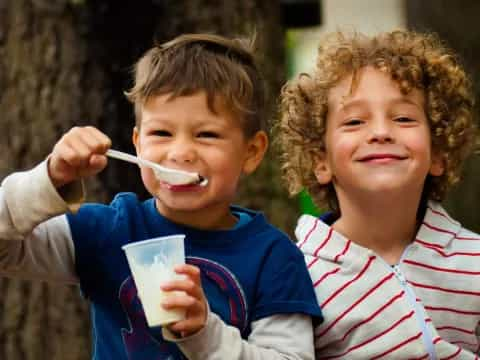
(380, 132)
(182, 152)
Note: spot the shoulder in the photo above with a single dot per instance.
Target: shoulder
(122, 202)
(260, 225)
(104, 217)
(440, 230)
(268, 237)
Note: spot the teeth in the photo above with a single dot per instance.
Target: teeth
(202, 181)
(176, 177)
(180, 178)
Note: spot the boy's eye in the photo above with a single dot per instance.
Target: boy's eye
(353, 122)
(404, 119)
(161, 133)
(208, 134)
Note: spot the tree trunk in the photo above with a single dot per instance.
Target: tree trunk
(65, 63)
(456, 22)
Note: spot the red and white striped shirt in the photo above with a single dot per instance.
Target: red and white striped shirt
(425, 307)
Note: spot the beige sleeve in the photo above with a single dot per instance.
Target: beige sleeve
(35, 238)
(283, 336)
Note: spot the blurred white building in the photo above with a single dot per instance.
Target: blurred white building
(367, 16)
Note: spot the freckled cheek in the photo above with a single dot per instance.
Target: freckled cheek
(151, 152)
(421, 145)
(342, 150)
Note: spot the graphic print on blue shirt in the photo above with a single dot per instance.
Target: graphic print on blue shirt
(142, 342)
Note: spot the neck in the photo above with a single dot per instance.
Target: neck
(384, 224)
(212, 218)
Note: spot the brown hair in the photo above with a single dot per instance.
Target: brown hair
(203, 62)
(411, 59)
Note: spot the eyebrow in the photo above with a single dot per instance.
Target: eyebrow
(345, 105)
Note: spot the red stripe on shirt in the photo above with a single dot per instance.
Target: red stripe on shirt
(329, 235)
(427, 244)
(438, 288)
(463, 343)
(324, 276)
(313, 262)
(466, 238)
(396, 347)
(426, 356)
(348, 283)
(453, 355)
(436, 268)
(372, 316)
(456, 311)
(351, 307)
(446, 327)
(344, 251)
(444, 254)
(443, 215)
(380, 334)
(309, 233)
(435, 228)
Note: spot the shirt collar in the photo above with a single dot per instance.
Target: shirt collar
(318, 239)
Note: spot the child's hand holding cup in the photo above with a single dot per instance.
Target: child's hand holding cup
(152, 263)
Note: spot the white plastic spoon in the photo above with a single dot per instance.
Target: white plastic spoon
(171, 176)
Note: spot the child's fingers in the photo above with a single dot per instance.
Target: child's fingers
(96, 141)
(87, 141)
(81, 143)
(191, 285)
(186, 285)
(73, 152)
(79, 153)
(97, 162)
(179, 301)
(187, 326)
(192, 271)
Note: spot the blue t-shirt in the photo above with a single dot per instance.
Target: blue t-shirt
(248, 273)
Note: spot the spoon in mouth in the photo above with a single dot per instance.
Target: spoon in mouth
(162, 173)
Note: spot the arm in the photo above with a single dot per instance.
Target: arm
(205, 336)
(286, 336)
(35, 243)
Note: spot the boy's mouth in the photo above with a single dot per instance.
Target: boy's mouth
(197, 186)
(381, 157)
(176, 177)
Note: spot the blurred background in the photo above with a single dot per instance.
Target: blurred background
(67, 62)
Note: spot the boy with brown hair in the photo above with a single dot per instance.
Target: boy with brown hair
(378, 133)
(246, 291)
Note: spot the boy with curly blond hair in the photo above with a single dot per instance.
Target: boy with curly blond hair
(378, 133)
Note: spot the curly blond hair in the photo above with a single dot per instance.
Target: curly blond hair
(412, 60)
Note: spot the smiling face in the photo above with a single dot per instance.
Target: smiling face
(183, 133)
(377, 139)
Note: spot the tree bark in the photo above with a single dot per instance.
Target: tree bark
(456, 22)
(65, 63)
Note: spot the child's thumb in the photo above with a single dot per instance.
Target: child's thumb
(97, 163)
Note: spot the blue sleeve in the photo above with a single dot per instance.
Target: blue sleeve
(285, 285)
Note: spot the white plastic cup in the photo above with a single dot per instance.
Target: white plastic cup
(152, 263)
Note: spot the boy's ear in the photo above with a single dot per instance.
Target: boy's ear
(322, 170)
(437, 167)
(135, 136)
(256, 148)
